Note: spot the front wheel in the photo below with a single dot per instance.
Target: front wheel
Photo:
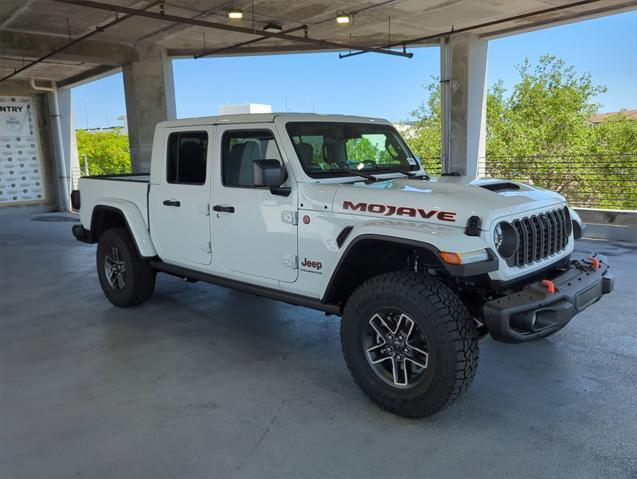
(409, 343)
(126, 278)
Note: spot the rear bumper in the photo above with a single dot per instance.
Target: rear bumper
(535, 312)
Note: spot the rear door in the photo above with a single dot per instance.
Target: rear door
(254, 230)
(179, 203)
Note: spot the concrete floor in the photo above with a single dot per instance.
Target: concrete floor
(202, 382)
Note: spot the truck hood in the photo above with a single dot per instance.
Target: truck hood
(447, 200)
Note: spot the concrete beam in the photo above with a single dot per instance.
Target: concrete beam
(51, 70)
(565, 18)
(10, 9)
(97, 73)
(16, 86)
(615, 225)
(464, 103)
(21, 45)
(150, 98)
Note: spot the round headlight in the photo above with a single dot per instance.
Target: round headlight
(505, 239)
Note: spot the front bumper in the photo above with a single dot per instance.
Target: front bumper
(535, 311)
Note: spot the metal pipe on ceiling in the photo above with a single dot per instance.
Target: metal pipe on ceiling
(199, 14)
(229, 28)
(437, 36)
(248, 42)
(97, 29)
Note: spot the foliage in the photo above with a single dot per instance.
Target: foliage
(361, 149)
(107, 152)
(613, 148)
(541, 134)
(425, 140)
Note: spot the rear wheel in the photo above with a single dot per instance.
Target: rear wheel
(126, 278)
(409, 343)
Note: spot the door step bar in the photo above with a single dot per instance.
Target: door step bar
(271, 293)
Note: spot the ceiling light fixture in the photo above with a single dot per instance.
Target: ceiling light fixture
(234, 13)
(273, 28)
(344, 18)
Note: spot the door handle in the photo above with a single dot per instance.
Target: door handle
(223, 209)
(172, 203)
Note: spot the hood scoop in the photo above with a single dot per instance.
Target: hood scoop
(500, 186)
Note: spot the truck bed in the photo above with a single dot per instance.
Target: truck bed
(113, 190)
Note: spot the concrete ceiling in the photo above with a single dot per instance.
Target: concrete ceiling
(30, 29)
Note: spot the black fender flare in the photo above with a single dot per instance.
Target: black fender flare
(432, 259)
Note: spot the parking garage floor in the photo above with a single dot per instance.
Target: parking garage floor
(203, 382)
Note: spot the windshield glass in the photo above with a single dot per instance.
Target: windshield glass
(332, 148)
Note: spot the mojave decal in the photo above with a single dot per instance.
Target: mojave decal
(390, 210)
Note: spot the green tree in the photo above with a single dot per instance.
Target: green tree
(361, 149)
(537, 133)
(107, 152)
(613, 150)
(547, 113)
(424, 140)
(541, 134)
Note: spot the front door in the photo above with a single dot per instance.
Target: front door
(254, 230)
(179, 209)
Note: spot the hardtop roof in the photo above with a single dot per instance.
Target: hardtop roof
(268, 118)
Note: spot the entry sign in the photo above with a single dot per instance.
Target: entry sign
(21, 178)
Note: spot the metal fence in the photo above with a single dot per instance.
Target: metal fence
(607, 181)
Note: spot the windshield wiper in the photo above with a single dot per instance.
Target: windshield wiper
(367, 176)
(409, 174)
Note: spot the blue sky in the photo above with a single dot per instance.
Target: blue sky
(376, 85)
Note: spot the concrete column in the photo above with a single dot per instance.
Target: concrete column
(48, 150)
(150, 98)
(64, 142)
(69, 140)
(464, 103)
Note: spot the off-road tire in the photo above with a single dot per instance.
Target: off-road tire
(451, 334)
(139, 281)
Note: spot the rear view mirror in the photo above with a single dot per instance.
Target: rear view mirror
(268, 173)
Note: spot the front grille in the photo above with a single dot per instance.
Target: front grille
(541, 235)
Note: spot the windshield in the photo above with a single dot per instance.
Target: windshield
(334, 148)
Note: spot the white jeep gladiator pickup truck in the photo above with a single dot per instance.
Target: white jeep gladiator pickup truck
(336, 213)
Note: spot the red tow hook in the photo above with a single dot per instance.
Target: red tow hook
(550, 286)
(594, 261)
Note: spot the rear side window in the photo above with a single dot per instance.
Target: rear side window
(240, 149)
(186, 162)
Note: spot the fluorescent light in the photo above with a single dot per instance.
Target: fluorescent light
(273, 28)
(235, 13)
(344, 19)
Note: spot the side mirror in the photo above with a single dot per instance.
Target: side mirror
(268, 173)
